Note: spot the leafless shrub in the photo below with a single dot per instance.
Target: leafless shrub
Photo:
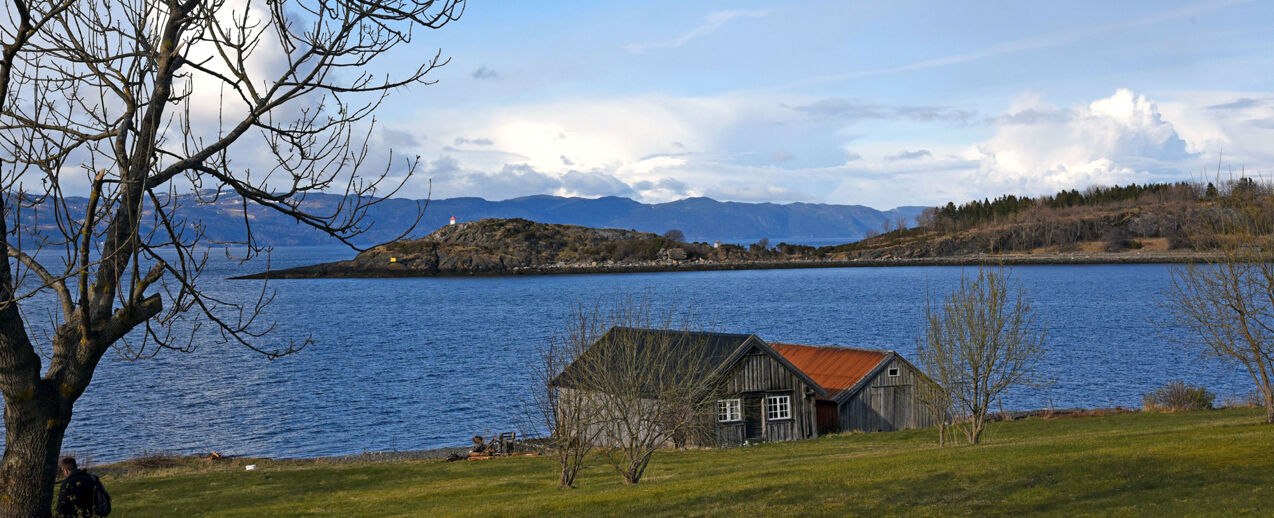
(1249, 400)
(1178, 396)
(649, 382)
(562, 414)
(1226, 303)
(978, 341)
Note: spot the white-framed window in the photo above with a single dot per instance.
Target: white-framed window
(729, 410)
(778, 407)
(893, 372)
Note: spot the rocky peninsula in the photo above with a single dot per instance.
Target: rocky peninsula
(522, 247)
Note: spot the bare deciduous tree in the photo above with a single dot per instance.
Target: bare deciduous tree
(562, 414)
(131, 102)
(980, 340)
(1226, 303)
(651, 382)
(927, 217)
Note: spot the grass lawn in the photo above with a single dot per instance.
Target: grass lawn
(1215, 463)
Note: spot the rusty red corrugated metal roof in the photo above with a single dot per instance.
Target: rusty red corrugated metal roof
(833, 368)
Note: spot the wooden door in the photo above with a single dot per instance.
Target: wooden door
(752, 424)
(827, 417)
(901, 415)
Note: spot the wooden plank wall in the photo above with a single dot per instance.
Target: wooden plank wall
(758, 373)
(887, 403)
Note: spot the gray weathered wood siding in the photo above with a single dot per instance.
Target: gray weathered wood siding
(759, 375)
(887, 403)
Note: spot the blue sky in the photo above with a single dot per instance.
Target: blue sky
(908, 103)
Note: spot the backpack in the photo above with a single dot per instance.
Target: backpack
(101, 499)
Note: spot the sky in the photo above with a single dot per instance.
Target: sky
(877, 104)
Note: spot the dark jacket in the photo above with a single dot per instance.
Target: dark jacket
(76, 497)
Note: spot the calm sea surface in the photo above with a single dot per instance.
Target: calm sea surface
(422, 363)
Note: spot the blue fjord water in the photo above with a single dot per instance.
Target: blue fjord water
(403, 364)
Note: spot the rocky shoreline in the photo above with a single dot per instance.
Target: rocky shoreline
(353, 269)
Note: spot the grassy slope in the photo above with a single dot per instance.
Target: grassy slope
(1200, 463)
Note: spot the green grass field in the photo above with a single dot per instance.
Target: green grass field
(1214, 463)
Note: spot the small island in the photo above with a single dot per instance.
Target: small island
(1153, 223)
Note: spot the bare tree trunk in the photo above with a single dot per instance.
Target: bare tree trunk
(637, 468)
(567, 480)
(33, 442)
(134, 135)
(1269, 407)
(33, 436)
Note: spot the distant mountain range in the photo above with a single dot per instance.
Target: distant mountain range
(700, 219)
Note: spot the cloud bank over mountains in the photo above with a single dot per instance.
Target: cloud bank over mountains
(754, 147)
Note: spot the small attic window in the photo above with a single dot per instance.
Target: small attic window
(893, 372)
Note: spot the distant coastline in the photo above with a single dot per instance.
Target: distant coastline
(348, 269)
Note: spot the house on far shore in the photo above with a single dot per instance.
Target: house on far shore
(782, 392)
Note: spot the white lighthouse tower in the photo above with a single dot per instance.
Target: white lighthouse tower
(453, 221)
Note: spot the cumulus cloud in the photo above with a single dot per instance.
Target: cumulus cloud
(711, 23)
(485, 72)
(1233, 127)
(451, 178)
(1039, 148)
(671, 148)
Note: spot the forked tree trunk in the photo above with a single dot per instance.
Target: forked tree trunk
(975, 429)
(637, 469)
(33, 441)
(567, 480)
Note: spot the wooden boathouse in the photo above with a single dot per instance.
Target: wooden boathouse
(782, 392)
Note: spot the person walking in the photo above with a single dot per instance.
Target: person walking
(82, 494)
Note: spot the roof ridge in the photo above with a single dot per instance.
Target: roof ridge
(838, 347)
(655, 330)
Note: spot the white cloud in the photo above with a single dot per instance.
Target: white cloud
(1038, 148)
(249, 25)
(1234, 128)
(711, 23)
(746, 147)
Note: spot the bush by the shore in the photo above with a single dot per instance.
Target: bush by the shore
(1177, 396)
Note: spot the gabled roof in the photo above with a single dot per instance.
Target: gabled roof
(717, 347)
(721, 349)
(834, 369)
